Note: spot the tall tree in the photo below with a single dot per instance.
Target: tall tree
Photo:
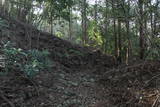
(127, 20)
(119, 32)
(114, 28)
(84, 21)
(70, 23)
(106, 41)
(156, 17)
(141, 28)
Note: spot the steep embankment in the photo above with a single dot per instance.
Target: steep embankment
(70, 55)
(80, 77)
(72, 80)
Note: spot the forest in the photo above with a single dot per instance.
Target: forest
(79, 53)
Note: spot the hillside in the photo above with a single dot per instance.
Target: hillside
(79, 77)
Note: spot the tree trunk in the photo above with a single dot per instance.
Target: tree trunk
(119, 59)
(84, 23)
(141, 30)
(95, 12)
(151, 20)
(51, 25)
(156, 18)
(114, 30)
(70, 24)
(106, 27)
(119, 42)
(128, 50)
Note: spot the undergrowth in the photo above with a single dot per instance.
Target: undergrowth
(29, 62)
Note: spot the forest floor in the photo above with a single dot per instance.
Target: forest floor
(131, 86)
(80, 77)
(60, 87)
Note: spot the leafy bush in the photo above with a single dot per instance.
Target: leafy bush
(29, 62)
(3, 23)
(94, 34)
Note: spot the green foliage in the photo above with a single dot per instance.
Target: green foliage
(3, 23)
(154, 51)
(54, 15)
(57, 8)
(59, 34)
(29, 62)
(94, 35)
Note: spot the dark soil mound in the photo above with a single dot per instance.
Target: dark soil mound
(26, 36)
(70, 83)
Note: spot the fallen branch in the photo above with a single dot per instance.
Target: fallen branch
(6, 99)
(152, 78)
(155, 102)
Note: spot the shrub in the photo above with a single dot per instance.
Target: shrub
(29, 62)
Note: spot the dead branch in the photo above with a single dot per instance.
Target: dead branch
(155, 102)
(6, 99)
(152, 78)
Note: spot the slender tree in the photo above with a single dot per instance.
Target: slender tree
(70, 23)
(141, 28)
(114, 29)
(84, 21)
(106, 41)
(128, 50)
(156, 17)
(119, 33)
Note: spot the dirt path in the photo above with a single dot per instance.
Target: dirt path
(76, 89)
(130, 86)
(57, 88)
